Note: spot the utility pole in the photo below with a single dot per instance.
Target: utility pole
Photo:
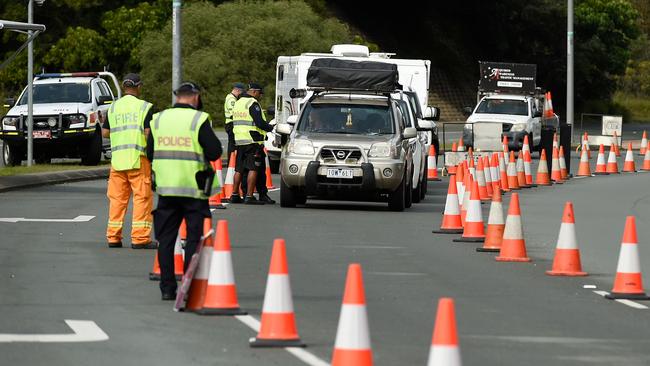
(569, 77)
(177, 62)
(30, 90)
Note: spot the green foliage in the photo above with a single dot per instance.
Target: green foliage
(237, 41)
(638, 107)
(80, 49)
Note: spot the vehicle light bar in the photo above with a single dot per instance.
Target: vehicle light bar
(67, 74)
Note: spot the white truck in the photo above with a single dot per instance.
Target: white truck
(291, 74)
(68, 111)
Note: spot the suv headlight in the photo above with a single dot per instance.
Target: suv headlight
(382, 150)
(10, 121)
(300, 147)
(518, 127)
(77, 120)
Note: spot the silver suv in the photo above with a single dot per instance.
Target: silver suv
(348, 145)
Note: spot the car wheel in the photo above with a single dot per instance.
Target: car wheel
(274, 165)
(417, 191)
(396, 199)
(424, 182)
(287, 195)
(93, 153)
(12, 155)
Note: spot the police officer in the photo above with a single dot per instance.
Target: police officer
(237, 90)
(180, 145)
(250, 128)
(127, 126)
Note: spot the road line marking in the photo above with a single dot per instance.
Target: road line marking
(588, 286)
(542, 339)
(304, 356)
(274, 189)
(629, 303)
(397, 273)
(80, 218)
(84, 331)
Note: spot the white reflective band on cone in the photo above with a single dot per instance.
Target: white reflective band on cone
(277, 298)
(221, 269)
(566, 239)
(352, 333)
(628, 259)
(513, 229)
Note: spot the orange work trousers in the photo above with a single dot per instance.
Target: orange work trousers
(120, 186)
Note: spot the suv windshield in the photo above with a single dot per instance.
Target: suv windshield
(503, 106)
(59, 93)
(346, 118)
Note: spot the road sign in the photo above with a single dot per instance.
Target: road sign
(612, 124)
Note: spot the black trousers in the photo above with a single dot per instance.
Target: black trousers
(231, 138)
(260, 184)
(167, 219)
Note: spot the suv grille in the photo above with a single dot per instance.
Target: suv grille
(41, 122)
(340, 155)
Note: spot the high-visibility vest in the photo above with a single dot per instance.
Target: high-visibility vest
(178, 156)
(228, 105)
(243, 123)
(126, 116)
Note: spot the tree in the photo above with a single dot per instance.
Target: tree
(238, 41)
(80, 49)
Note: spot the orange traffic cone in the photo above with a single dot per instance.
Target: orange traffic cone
(228, 184)
(451, 222)
(474, 230)
(432, 169)
(585, 144)
(583, 169)
(352, 345)
(494, 171)
(601, 166)
(525, 146)
(196, 295)
(628, 283)
(616, 149)
(564, 173)
(469, 183)
(221, 292)
(543, 178)
(460, 182)
(178, 259)
(521, 172)
(646, 161)
(461, 146)
(451, 170)
(154, 275)
(488, 176)
(503, 172)
(470, 164)
(612, 164)
(278, 325)
(495, 226)
(567, 254)
(644, 144)
(505, 144)
(556, 175)
(269, 178)
(444, 344)
(182, 231)
(628, 166)
(555, 143)
(513, 181)
(480, 179)
(548, 106)
(513, 247)
(528, 169)
(215, 199)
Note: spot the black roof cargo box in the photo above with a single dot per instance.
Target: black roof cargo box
(332, 73)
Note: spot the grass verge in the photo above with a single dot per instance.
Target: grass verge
(638, 107)
(41, 168)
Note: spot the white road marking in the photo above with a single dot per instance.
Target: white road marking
(274, 189)
(304, 356)
(588, 286)
(543, 340)
(629, 303)
(84, 331)
(80, 218)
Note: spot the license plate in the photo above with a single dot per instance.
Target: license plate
(340, 173)
(42, 134)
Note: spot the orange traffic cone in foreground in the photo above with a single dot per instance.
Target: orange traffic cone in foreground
(601, 165)
(215, 199)
(628, 283)
(474, 231)
(278, 328)
(542, 178)
(352, 345)
(583, 169)
(196, 295)
(432, 169)
(628, 166)
(444, 344)
(612, 164)
(644, 144)
(154, 275)
(495, 226)
(513, 247)
(228, 184)
(451, 223)
(646, 161)
(221, 292)
(567, 254)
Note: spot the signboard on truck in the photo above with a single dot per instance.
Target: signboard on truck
(506, 77)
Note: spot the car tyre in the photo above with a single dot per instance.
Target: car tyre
(417, 192)
(288, 196)
(397, 198)
(93, 153)
(274, 165)
(12, 155)
(424, 182)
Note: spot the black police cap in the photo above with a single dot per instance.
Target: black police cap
(131, 80)
(187, 87)
(255, 86)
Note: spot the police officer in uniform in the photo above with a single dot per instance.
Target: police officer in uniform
(249, 128)
(127, 126)
(181, 145)
(237, 90)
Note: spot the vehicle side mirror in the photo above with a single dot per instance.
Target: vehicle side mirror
(270, 110)
(409, 132)
(104, 99)
(9, 102)
(292, 119)
(467, 111)
(432, 113)
(425, 125)
(283, 128)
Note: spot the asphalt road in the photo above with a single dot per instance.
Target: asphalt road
(508, 314)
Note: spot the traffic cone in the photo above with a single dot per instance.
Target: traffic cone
(567, 254)
(543, 178)
(526, 146)
(460, 179)
(454, 147)
(494, 170)
(488, 175)
(583, 169)
(555, 143)
(480, 179)
(444, 343)
(269, 178)
(513, 246)
(628, 166)
(432, 170)
(503, 172)
(616, 149)
(474, 230)
(154, 275)
(505, 144)
(228, 184)
(182, 231)
(612, 164)
(528, 160)
(521, 172)
(197, 293)
(221, 292)
(451, 222)
(352, 345)
(278, 324)
(563, 170)
(601, 166)
(215, 199)
(646, 161)
(644, 144)
(556, 175)
(548, 106)
(469, 183)
(585, 144)
(178, 259)
(470, 164)
(628, 283)
(460, 146)
(513, 181)
(495, 226)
